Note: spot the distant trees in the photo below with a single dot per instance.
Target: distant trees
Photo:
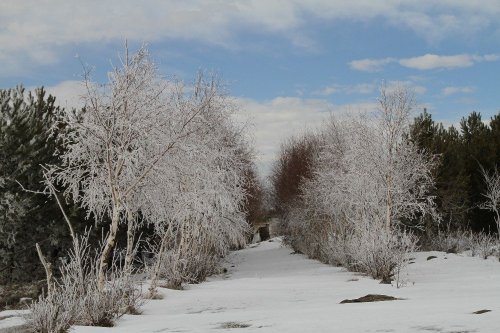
(253, 206)
(294, 165)
(460, 183)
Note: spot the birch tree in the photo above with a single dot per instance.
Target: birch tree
(205, 208)
(125, 153)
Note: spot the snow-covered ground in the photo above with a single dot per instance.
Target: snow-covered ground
(11, 318)
(272, 290)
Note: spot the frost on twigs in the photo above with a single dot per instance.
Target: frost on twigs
(369, 181)
(492, 195)
(76, 298)
(153, 151)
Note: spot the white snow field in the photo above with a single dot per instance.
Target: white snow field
(268, 289)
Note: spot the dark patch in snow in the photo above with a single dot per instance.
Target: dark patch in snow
(431, 257)
(481, 311)
(233, 324)
(370, 298)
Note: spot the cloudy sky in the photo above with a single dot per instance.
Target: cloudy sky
(288, 63)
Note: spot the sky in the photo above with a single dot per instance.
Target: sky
(289, 64)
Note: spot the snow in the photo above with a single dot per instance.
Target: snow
(272, 290)
(12, 318)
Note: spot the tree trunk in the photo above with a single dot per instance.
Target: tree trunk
(108, 248)
(129, 257)
(388, 205)
(497, 220)
(156, 271)
(48, 271)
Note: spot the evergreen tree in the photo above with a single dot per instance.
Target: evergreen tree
(459, 184)
(27, 141)
(479, 151)
(451, 178)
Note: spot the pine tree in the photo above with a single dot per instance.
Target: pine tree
(451, 177)
(479, 151)
(27, 142)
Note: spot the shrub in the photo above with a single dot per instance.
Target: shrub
(479, 244)
(75, 299)
(377, 252)
(54, 313)
(367, 247)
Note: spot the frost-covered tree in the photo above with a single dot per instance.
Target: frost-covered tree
(370, 167)
(492, 194)
(205, 207)
(368, 180)
(152, 150)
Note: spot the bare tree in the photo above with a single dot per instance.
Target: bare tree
(492, 195)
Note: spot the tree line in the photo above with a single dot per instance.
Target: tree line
(463, 153)
(365, 189)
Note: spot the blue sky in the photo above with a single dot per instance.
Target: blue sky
(288, 63)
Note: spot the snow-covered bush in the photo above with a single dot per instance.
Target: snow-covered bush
(76, 299)
(53, 313)
(191, 249)
(483, 245)
(380, 253)
(454, 241)
(459, 241)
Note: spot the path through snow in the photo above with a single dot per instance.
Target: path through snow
(271, 290)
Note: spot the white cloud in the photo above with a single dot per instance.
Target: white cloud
(362, 88)
(447, 91)
(329, 90)
(68, 93)
(370, 65)
(36, 31)
(433, 61)
(425, 62)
